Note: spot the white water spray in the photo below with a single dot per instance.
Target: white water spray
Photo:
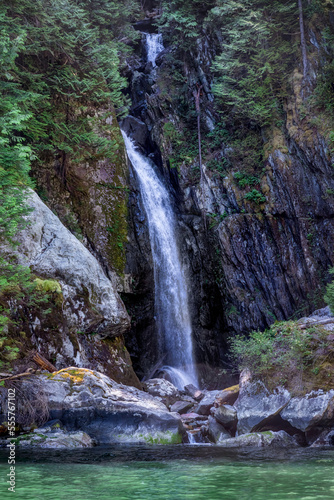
(171, 298)
(154, 46)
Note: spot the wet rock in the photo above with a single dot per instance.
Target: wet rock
(256, 403)
(60, 439)
(108, 412)
(135, 129)
(160, 387)
(181, 406)
(90, 299)
(227, 416)
(260, 440)
(207, 402)
(196, 436)
(194, 392)
(312, 412)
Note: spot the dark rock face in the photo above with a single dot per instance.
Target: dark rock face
(260, 262)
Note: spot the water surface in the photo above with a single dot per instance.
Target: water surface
(171, 472)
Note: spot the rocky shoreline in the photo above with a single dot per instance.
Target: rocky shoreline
(86, 408)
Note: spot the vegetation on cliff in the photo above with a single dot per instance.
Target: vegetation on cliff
(60, 62)
(253, 48)
(288, 354)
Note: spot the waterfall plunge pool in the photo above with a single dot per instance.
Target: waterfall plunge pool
(170, 473)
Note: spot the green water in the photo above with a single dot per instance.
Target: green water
(176, 473)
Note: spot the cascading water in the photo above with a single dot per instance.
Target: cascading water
(171, 299)
(154, 46)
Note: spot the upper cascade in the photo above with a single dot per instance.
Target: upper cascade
(171, 296)
(154, 46)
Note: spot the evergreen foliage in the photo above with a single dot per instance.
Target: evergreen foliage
(259, 49)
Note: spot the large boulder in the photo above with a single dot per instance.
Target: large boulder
(90, 299)
(108, 412)
(311, 413)
(256, 403)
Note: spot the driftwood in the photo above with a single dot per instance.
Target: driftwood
(316, 323)
(30, 371)
(43, 363)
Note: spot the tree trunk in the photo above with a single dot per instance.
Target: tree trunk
(302, 38)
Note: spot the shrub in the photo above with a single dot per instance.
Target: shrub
(283, 349)
(255, 196)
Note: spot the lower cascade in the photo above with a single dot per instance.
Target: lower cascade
(171, 297)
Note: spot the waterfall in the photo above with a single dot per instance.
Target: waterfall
(154, 46)
(171, 298)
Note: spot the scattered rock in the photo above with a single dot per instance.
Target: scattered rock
(227, 416)
(181, 406)
(207, 402)
(194, 392)
(228, 396)
(160, 387)
(260, 440)
(215, 431)
(325, 439)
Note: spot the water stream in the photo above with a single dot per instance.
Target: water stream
(171, 298)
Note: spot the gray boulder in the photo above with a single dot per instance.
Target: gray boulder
(181, 406)
(325, 439)
(52, 251)
(108, 412)
(256, 403)
(313, 411)
(194, 392)
(215, 431)
(205, 405)
(260, 440)
(226, 415)
(160, 387)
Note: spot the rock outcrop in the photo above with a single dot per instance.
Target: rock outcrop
(90, 299)
(85, 305)
(90, 402)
